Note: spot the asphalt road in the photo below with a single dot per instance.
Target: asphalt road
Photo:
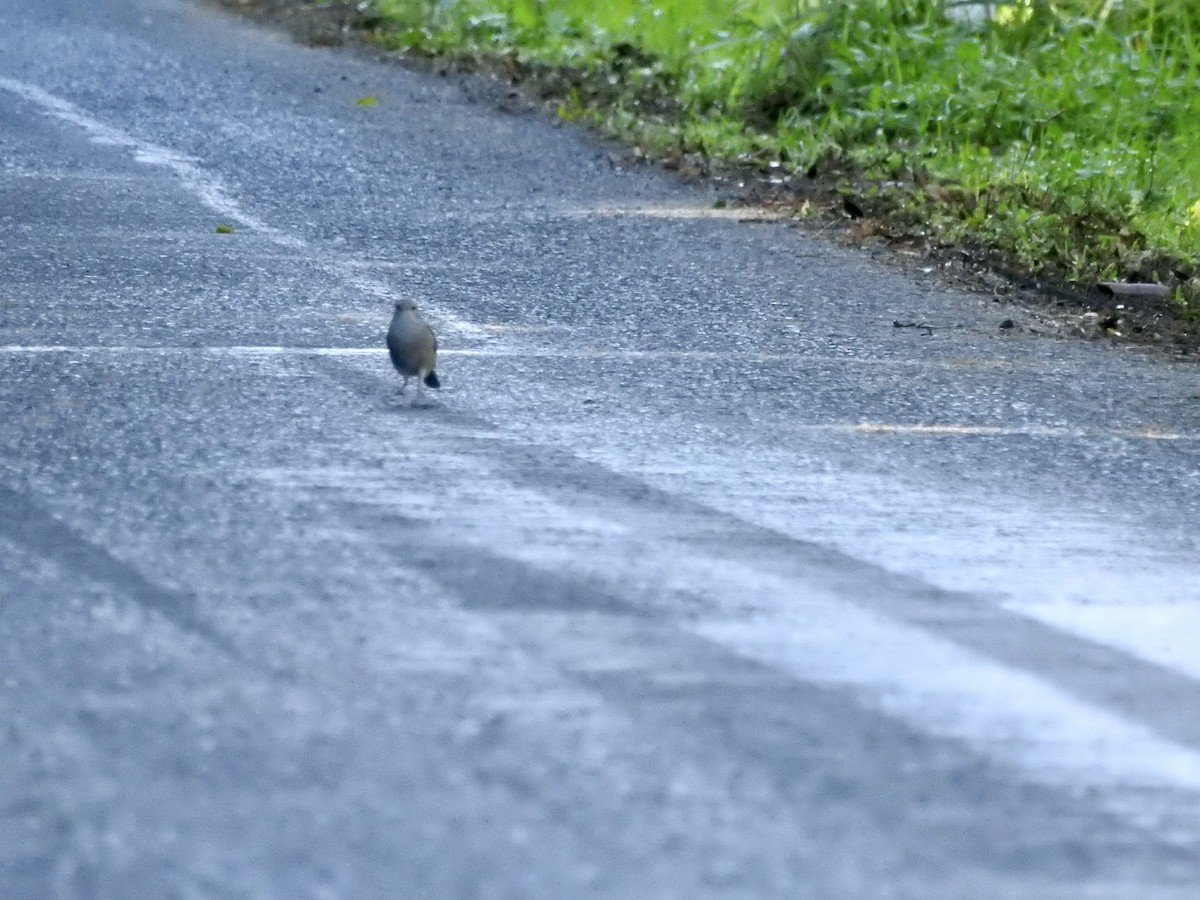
(698, 579)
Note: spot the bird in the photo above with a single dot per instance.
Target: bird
(412, 347)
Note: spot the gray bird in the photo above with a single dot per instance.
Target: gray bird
(412, 346)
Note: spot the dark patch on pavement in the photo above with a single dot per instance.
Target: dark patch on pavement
(1094, 672)
(25, 522)
(483, 580)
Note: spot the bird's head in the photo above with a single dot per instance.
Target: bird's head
(405, 306)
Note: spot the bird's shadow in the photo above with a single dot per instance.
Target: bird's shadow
(402, 403)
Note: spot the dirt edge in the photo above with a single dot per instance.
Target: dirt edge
(1026, 302)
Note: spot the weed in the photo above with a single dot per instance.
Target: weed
(1065, 132)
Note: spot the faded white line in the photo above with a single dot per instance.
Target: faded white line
(135, 349)
(350, 273)
(964, 429)
(208, 189)
(948, 429)
(469, 330)
(205, 186)
(233, 350)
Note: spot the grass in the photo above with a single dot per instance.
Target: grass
(1065, 135)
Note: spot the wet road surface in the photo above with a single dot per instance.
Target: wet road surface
(699, 578)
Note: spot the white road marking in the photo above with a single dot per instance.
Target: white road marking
(950, 429)
(206, 187)
(203, 185)
(491, 351)
(947, 429)
(349, 271)
(484, 329)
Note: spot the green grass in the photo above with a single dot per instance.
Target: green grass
(1066, 134)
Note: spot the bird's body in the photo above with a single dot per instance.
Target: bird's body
(412, 346)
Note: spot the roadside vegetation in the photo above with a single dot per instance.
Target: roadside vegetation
(1056, 139)
(1064, 134)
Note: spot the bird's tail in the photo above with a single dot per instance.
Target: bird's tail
(431, 380)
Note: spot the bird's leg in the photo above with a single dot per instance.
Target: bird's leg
(404, 386)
